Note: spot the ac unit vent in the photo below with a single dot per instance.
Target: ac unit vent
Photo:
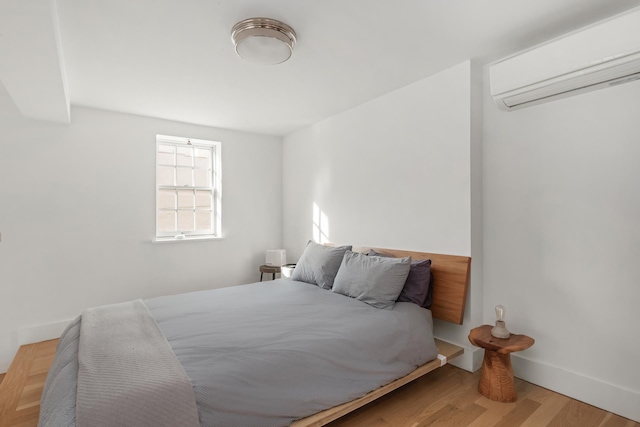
(602, 55)
(625, 80)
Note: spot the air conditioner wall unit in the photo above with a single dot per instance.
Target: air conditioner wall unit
(600, 55)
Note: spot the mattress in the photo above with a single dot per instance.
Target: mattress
(268, 353)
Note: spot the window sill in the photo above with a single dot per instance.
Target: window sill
(185, 239)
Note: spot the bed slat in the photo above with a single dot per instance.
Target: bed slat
(325, 417)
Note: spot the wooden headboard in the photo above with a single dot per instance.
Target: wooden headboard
(450, 277)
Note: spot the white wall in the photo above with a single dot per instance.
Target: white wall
(393, 172)
(562, 241)
(558, 203)
(546, 200)
(77, 216)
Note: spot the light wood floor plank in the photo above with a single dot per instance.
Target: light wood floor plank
(495, 411)
(447, 397)
(613, 420)
(13, 383)
(26, 417)
(576, 413)
(445, 413)
(452, 416)
(408, 402)
(448, 391)
(551, 405)
(520, 413)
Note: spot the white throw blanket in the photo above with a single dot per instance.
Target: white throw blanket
(116, 341)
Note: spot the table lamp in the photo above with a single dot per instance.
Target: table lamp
(500, 330)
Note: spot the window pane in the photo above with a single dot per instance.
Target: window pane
(181, 168)
(185, 199)
(203, 220)
(185, 156)
(166, 155)
(203, 199)
(184, 177)
(202, 158)
(202, 177)
(165, 175)
(166, 199)
(185, 220)
(167, 221)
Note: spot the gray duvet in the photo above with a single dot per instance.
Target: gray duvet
(269, 353)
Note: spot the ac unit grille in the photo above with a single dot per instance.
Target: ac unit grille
(578, 82)
(604, 54)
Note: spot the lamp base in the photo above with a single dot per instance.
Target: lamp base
(500, 330)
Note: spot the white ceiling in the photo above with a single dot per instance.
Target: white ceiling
(175, 60)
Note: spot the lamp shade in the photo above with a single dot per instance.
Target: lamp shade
(263, 41)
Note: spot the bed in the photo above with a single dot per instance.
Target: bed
(277, 353)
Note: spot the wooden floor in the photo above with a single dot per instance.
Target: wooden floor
(21, 388)
(446, 397)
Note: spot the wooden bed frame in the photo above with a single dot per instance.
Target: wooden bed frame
(451, 282)
(20, 403)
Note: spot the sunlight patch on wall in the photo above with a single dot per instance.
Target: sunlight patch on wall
(320, 225)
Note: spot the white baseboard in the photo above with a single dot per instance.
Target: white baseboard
(33, 334)
(609, 397)
(470, 360)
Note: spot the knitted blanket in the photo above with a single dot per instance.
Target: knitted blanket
(128, 374)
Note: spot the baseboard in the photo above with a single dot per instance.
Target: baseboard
(4, 366)
(470, 360)
(33, 334)
(595, 392)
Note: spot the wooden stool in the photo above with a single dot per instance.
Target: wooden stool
(496, 377)
(269, 269)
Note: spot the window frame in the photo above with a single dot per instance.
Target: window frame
(215, 179)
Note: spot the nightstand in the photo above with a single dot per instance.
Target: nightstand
(496, 377)
(269, 269)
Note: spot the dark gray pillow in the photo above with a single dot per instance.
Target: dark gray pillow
(374, 280)
(419, 285)
(319, 264)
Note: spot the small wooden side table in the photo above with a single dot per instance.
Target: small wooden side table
(496, 377)
(269, 269)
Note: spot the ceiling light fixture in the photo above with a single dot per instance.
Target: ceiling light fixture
(263, 41)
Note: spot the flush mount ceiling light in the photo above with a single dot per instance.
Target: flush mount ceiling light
(263, 41)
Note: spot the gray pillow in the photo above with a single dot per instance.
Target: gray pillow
(319, 264)
(419, 285)
(374, 280)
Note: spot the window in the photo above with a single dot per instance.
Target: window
(187, 188)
